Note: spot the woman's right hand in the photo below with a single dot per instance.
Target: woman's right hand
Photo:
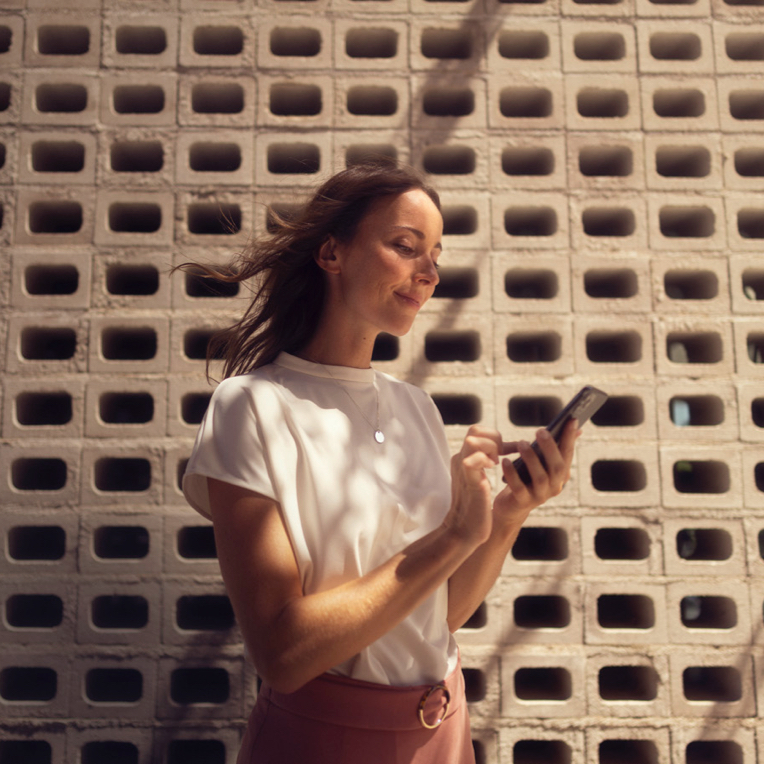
(471, 516)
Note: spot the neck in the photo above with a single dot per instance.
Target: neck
(336, 344)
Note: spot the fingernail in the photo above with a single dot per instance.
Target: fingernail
(543, 435)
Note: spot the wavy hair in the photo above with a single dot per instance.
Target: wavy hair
(287, 284)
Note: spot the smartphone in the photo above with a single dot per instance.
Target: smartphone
(582, 406)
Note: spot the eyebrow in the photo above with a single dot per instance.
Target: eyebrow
(418, 234)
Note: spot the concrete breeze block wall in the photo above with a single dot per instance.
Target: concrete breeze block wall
(601, 165)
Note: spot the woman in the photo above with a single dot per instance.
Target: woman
(349, 549)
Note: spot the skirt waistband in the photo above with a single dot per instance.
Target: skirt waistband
(365, 705)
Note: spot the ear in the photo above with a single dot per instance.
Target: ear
(327, 256)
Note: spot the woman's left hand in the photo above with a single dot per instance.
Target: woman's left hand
(515, 502)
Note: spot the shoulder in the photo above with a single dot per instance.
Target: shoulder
(405, 391)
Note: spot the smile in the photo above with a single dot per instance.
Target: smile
(410, 300)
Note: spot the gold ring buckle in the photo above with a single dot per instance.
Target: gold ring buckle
(423, 702)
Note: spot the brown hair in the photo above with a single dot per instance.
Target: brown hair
(288, 293)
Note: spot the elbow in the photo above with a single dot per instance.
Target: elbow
(280, 675)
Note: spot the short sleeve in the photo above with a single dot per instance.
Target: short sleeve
(229, 446)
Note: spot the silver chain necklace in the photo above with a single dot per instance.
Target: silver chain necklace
(379, 436)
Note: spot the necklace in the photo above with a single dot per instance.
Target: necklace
(379, 436)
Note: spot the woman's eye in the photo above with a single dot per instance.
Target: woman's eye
(405, 248)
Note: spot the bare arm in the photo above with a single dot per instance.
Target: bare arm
(469, 585)
(294, 637)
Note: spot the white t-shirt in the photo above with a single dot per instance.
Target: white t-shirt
(303, 434)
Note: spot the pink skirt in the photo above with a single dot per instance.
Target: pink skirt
(336, 720)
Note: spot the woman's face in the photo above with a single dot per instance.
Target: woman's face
(387, 271)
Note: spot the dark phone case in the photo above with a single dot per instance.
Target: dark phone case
(584, 404)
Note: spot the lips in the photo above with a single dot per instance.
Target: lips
(413, 301)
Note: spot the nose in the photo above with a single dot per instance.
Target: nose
(428, 272)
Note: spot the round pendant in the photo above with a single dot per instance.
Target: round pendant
(379, 436)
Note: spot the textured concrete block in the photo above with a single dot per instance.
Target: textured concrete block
(351, 147)
(453, 349)
(530, 220)
(138, 98)
(719, 679)
(466, 221)
(615, 547)
(42, 343)
(197, 613)
(295, 99)
(532, 346)
(573, 8)
(598, 47)
(528, 160)
(541, 612)
(188, 343)
(117, 683)
(605, 285)
(137, 41)
(58, 217)
(36, 683)
(123, 542)
(134, 218)
(713, 737)
(558, 742)
(57, 157)
(194, 688)
(38, 543)
(43, 407)
(613, 103)
(452, 160)
(186, 403)
(547, 546)
(173, 744)
(442, 102)
(446, 45)
(369, 44)
(701, 476)
(125, 408)
(39, 474)
(9, 150)
(693, 347)
(603, 161)
(691, 285)
(530, 282)
(753, 477)
(529, 103)
(623, 684)
(738, 47)
(530, 42)
(689, 410)
(624, 613)
(616, 347)
(53, 99)
(141, 157)
(682, 162)
(687, 104)
(749, 347)
(647, 742)
(293, 159)
(742, 162)
(543, 686)
(370, 101)
(709, 612)
(35, 738)
(462, 403)
(50, 280)
(110, 739)
(117, 474)
(13, 28)
(37, 611)
(132, 280)
(740, 105)
(608, 222)
(128, 344)
(219, 157)
(745, 222)
(189, 545)
(220, 219)
(697, 546)
(647, 9)
(625, 475)
(749, 406)
(218, 41)
(295, 42)
(57, 40)
(119, 613)
(685, 47)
